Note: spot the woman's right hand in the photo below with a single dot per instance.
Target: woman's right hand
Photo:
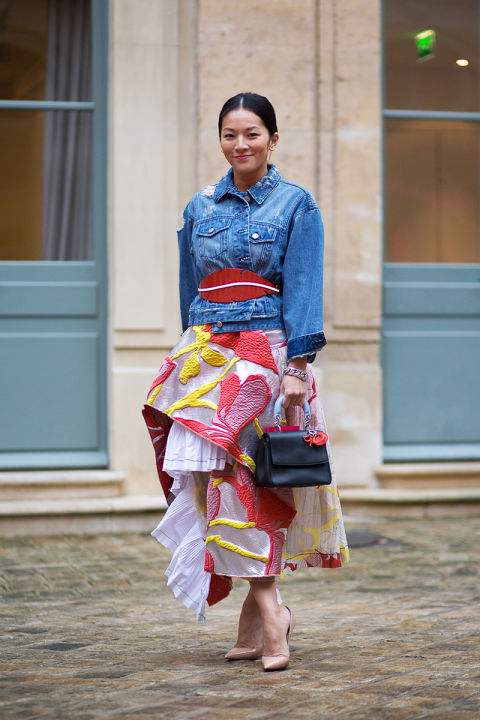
(295, 391)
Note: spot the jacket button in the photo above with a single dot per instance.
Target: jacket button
(219, 324)
(255, 236)
(211, 229)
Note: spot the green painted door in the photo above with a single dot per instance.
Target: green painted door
(431, 277)
(53, 234)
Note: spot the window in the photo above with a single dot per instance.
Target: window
(45, 130)
(432, 131)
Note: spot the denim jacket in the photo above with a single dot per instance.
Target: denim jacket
(275, 230)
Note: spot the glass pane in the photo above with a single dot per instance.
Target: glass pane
(432, 191)
(424, 39)
(45, 185)
(45, 49)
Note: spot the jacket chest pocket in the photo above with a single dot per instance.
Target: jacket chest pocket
(260, 241)
(212, 236)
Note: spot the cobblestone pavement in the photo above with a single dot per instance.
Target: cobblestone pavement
(90, 631)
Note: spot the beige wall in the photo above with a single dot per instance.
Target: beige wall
(350, 199)
(266, 47)
(143, 214)
(172, 66)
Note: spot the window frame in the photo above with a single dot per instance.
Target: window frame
(98, 107)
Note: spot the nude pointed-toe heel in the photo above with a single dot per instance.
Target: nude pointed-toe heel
(280, 662)
(244, 653)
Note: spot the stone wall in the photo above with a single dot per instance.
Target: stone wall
(144, 141)
(349, 101)
(172, 66)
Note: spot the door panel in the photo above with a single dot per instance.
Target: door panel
(52, 355)
(425, 407)
(430, 298)
(58, 391)
(431, 361)
(56, 299)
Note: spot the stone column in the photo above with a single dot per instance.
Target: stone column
(150, 134)
(349, 101)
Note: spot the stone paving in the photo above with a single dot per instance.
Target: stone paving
(90, 631)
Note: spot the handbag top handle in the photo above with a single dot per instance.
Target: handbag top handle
(277, 412)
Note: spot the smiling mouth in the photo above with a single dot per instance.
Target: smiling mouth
(241, 157)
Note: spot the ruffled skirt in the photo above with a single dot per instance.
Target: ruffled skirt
(205, 412)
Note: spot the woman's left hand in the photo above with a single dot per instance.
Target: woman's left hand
(294, 390)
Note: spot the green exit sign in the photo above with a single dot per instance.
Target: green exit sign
(425, 43)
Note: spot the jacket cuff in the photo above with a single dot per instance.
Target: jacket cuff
(305, 345)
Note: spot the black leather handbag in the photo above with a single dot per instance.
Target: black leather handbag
(292, 458)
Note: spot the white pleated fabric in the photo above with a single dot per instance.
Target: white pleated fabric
(182, 530)
(187, 452)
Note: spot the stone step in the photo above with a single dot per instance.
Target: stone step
(429, 475)
(137, 513)
(141, 513)
(396, 503)
(60, 484)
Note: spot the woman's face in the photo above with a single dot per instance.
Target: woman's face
(245, 142)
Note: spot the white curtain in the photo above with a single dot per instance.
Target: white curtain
(67, 153)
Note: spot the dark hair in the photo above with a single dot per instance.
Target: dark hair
(258, 104)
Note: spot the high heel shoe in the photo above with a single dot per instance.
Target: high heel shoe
(244, 653)
(280, 662)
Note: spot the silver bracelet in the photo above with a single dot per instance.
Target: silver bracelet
(301, 374)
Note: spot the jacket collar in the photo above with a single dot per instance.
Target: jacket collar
(259, 191)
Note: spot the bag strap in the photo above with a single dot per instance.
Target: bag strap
(277, 413)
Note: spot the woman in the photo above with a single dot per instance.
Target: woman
(251, 254)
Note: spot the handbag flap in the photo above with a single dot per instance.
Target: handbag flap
(289, 448)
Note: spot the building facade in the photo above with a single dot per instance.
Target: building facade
(108, 118)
